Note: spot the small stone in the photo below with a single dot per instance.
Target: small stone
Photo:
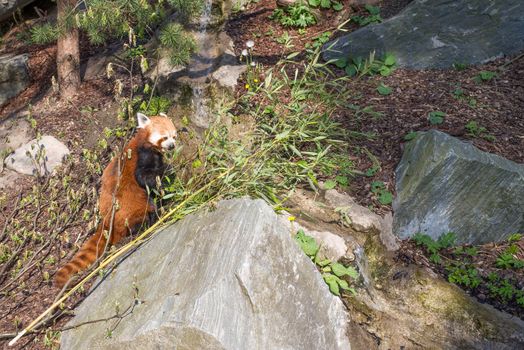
(331, 245)
(361, 219)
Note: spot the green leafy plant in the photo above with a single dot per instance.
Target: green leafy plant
(326, 4)
(372, 66)
(319, 40)
(484, 76)
(297, 15)
(433, 247)
(332, 272)
(379, 189)
(507, 260)
(384, 89)
(464, 275)
(475, 130)
(410, 136)
(459, 66)
(372, 17)
(157, 105)
(436, 117)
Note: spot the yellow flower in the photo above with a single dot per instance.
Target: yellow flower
(255, 80)
(291, 218)
(247, 86)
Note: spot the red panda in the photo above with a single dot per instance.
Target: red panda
(125, 180)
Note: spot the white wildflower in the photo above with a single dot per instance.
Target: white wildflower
(244, 52)
(250, 44)
(253, 64)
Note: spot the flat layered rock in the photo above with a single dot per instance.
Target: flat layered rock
(447, 185)
(14, 76)
(229, 279)
(439, 33)
(38, 156)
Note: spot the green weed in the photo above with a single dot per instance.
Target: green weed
(333, 273)
(360, 67)
(296, 16)
(373, 16)
(475, 130)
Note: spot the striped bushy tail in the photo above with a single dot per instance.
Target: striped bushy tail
(90, 251)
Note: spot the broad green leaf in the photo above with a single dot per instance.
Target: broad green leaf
(332, 282)
(410, 136)
(385, 71)
(342, 180)
(384, 89)
(330, 184)
(307, 243)
(385, 197)
(343, 284)
(337, 6)
(325, 4)
(389, 60)
(341, 63)
(314, 3)
(339, 270)
(351, 70)
(436, 117)
(376, 186)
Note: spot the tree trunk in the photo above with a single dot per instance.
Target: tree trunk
(68, 52)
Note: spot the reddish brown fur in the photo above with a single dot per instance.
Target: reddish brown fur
(133, 202)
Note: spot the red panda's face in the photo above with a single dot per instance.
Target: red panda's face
(160, 130)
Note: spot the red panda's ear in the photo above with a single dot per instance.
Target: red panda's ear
(143, 120)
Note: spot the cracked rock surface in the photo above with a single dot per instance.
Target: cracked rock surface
(229, 279)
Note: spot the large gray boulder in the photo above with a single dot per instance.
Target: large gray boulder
(8, 7)
(444, 184)
(38, 156)
(228, 279)
(439, 33)
(14, 76)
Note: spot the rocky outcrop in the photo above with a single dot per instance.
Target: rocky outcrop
(14, 76)
(444, 184)
(399, 306)
(229, 279)
(38, 156)
(8, 7)
(439, 33)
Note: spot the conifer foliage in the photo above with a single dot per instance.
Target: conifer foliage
(104, 20)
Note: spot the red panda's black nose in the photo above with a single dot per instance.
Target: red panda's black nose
(171, 146)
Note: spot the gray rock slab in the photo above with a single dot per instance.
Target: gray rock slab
(439, 33)
(14, 76)
(360, 218)
(444, 184)
(229, 279)
(28, 160)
